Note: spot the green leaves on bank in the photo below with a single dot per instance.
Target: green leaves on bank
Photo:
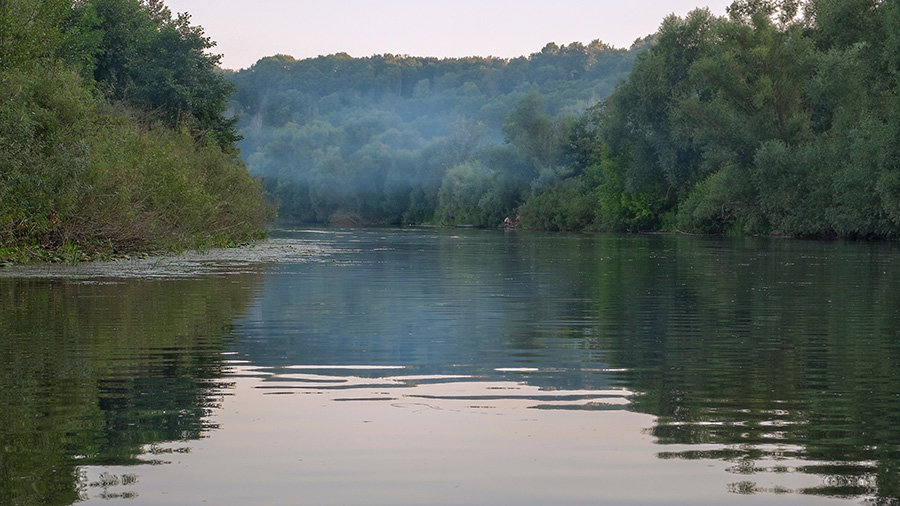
(778, 119)
(112, 137)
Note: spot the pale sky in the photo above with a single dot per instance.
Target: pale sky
(247, 31)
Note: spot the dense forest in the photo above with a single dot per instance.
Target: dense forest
(118, 131)
(401, 139)
(780, 118)
(112, 134)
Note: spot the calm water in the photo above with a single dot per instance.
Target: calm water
(457, 367)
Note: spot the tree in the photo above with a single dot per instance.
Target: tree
(161, 64)
(30, 30)
(536, 134)
(472, 194)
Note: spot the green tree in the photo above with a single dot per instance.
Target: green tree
(30, 30)
(473, 194)
(161, 64)
(532, 131)
(80, 174)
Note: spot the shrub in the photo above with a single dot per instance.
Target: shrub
(79, 174)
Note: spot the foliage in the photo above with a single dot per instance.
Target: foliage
(30, 30)
(377, 138)
(156, 62)
(157, 187)
(81, 173)
(474, 194)
(565, 206)
(44, 123)
(780, 118)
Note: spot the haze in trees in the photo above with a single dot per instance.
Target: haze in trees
(779, 118)
(394, 139)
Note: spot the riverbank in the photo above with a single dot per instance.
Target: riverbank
(73, 254)
(84, 178)
(237, 259)
(115, 139)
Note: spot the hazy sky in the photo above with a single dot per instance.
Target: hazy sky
(246, 31)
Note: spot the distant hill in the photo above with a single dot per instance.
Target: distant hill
(372, 139)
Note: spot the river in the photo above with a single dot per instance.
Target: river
(426, 366)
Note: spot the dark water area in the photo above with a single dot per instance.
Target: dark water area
(457, 367)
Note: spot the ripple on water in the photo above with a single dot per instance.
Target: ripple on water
(441, 391)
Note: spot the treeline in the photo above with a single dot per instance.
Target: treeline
(112, 133)
(781, 118)
(399, 139)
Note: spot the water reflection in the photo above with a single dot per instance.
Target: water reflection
(405, 365)
(782, 357)
(99, 372)
(435, 391)
(777, 357)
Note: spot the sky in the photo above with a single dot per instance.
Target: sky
(247, 31)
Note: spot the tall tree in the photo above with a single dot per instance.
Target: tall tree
(160, 63)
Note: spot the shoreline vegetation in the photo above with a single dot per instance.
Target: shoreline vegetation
(781, 118)
(120, 134)
(113, 138)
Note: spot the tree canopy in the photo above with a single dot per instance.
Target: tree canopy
(113, 133)
(377, 138)
(779, 118)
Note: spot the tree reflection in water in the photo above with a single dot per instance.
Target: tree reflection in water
(96, 373)
(779, 357)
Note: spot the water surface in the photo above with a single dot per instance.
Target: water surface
(457, 367)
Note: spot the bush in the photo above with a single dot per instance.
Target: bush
(156, 188)
(473, 194)
(565, 206)
(78, 174)
(44, 121)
